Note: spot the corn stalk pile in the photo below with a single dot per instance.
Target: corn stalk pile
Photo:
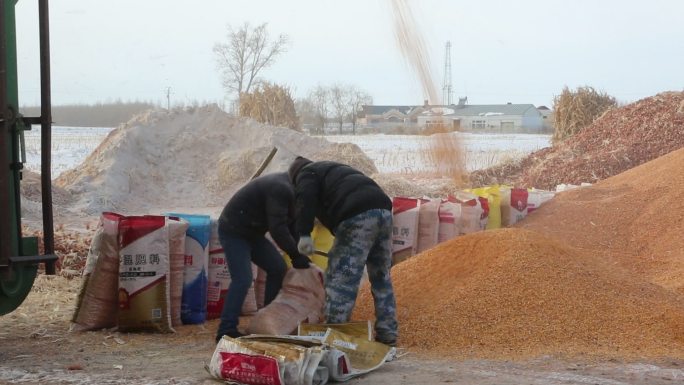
(575, 110)
(71, 248)
(270, 103)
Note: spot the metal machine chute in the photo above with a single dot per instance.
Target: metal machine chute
(19, 257)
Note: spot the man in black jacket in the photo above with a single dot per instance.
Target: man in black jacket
(265, 204)
(356, 210)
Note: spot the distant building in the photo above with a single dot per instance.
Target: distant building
(547, 118)
(462, 117)
(390, 116)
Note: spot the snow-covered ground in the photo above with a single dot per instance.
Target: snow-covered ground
(391, 153)
(408, 153)
(70, 146)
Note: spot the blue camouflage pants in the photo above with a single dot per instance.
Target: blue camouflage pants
(363, 240)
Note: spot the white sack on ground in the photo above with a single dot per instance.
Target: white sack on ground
(301, 299)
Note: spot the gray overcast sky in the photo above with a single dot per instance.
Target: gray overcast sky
(502, 51)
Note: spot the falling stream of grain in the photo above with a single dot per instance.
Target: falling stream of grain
(445, 150)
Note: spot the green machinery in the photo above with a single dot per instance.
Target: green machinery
(19, 257)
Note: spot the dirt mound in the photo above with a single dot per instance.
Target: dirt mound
(637, 216)
(621, 139)
(189, 158)
(31, 198)
(513, 293)
(31, 189)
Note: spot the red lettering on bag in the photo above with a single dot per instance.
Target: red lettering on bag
(250, 369)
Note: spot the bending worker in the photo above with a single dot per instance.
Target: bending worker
(359, 214)
(264, 204)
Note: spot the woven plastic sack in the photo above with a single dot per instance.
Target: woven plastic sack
(428, 224)
(194, 301)
(301, 299)
(97, 301)
(177, 230)
(144, 274)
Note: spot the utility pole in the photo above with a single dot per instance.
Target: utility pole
(447, 90)
(168, 98)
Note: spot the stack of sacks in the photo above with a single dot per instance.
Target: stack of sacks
(128, 276)
(422, 223)
(150, 273)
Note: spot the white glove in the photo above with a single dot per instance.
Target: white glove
(305, 245)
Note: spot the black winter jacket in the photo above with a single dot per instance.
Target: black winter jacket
(264, 204)
(333, 192)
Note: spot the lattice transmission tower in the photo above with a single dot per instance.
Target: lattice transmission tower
(447, 91)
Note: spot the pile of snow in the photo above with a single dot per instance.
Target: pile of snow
(187, 158)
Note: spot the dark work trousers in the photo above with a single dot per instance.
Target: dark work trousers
(240, 252)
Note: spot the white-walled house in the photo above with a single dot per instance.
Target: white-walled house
(485, 117)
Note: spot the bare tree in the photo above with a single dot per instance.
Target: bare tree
(358, 99)
(319, 98)
(340, 103)
(247, 51)
(306, 112)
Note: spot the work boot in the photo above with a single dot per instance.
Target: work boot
(387, 341)
(231, 334)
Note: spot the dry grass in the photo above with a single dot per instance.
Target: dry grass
(574, 110)
(270, 103)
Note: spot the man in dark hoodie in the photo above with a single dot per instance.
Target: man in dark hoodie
(356, 210)
(265, 204)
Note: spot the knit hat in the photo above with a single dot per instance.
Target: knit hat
(296, 166)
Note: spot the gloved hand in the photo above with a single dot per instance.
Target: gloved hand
(301, 262)
(305, 245)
